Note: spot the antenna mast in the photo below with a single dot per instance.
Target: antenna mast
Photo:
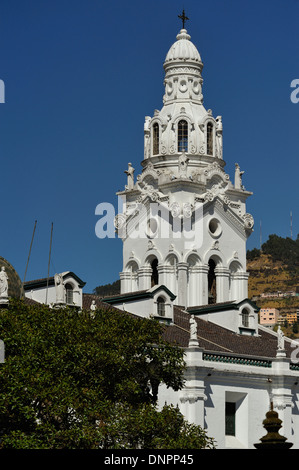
(29, 256)
(49, 263)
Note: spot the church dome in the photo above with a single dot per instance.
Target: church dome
(183, 50)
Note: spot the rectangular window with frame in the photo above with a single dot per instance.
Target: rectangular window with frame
(183, 136)
(230, 419)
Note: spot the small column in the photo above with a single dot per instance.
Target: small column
(163, 271)
(144, 278)
(124, 282)
(222, 284)
(182, 283)
(244, 285)
(239, 286)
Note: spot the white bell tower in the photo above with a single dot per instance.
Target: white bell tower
(184, 223)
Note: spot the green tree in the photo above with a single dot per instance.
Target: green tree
(72, 380)
(283, 249)
(253, 254)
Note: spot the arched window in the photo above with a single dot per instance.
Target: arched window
(161, 307)
(212, 282)
(155, 276)
(69, 294)
(245, 317)
(156, 139)
(210, 138)
(182, 136)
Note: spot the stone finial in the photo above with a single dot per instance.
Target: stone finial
(272, 440)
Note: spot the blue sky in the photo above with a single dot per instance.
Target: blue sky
(81, 75)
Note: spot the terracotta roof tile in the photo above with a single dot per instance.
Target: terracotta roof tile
(215, 338)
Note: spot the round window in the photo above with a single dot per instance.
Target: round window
(215, 227)
(152, 227)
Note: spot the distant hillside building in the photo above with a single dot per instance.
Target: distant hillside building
(289, 317)
(269, 316)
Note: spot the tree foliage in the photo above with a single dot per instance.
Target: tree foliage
(108, 289)
(283, 249)
(253, 254)
(72, 380)
(280, 249)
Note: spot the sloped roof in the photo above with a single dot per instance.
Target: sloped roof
(36, 283)
(212, 338)
(215, 338)
(137, 295)
(87, 301)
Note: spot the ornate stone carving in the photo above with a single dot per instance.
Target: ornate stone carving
(248, 221)
(209, 196)
(183, 165)
(219, 136)
(3, 283)
(119, 221)
(130, 174)
(175, 209)
(226, 200)
(238, 176)
(215, 245)
(193, 328)
(60, 289)
(187, 210)
(150, 245)
(147, 137)
(280, 339)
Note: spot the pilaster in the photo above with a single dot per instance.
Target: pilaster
(193, 397)
(182, 283)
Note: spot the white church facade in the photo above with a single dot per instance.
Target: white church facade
(184, 228)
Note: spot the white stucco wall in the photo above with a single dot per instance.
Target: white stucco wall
(251, 388)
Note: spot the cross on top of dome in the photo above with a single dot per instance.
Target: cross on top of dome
(184, 18)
